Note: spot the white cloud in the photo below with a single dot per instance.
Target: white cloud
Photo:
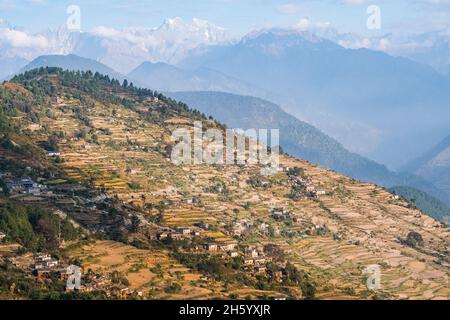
(106, 32)
(305, 24)
(20, 39)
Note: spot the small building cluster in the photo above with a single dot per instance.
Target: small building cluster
(303, 188)
(279, 214)
(103, 283)
(25, 186)
(45, 265)
(255, 258)
(225, 246)
(241, 226)
(178, 235)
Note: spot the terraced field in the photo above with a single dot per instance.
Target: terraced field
(117, 150)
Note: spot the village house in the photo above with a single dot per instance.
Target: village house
(211, 247)
(25, 186)
(42, 257)
(85, 289)
(252, 253)
(162, 236)
(52, 263)
(54, 153)
(2, 236)
(37, 266)
(42, 273)
(233, 254)
(63, 273)
(249, 262)
(278, 298)
(260, 269)
(228, 246)
(321, 192)
(185, 231)
(176, 236)
(195, 233)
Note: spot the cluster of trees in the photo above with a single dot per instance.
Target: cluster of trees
(423, 201)
(98, 86)
(259, 182)
(295, 172)
(34, 228)
(414, 239)
(13, 101)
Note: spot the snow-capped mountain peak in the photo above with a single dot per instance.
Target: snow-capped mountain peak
(121, 49)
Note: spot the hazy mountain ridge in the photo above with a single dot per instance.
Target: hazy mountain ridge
(165, 77)
(362, 86)
(434, 165)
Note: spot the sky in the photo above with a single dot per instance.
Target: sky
(237, 16)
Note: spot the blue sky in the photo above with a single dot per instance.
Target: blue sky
(238, 16)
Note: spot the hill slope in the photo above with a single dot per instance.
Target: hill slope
(313, 230)
(299, 138)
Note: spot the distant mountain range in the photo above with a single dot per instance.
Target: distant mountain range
(121, 49)
(372, 102)
(432, 48)
(298, 138)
